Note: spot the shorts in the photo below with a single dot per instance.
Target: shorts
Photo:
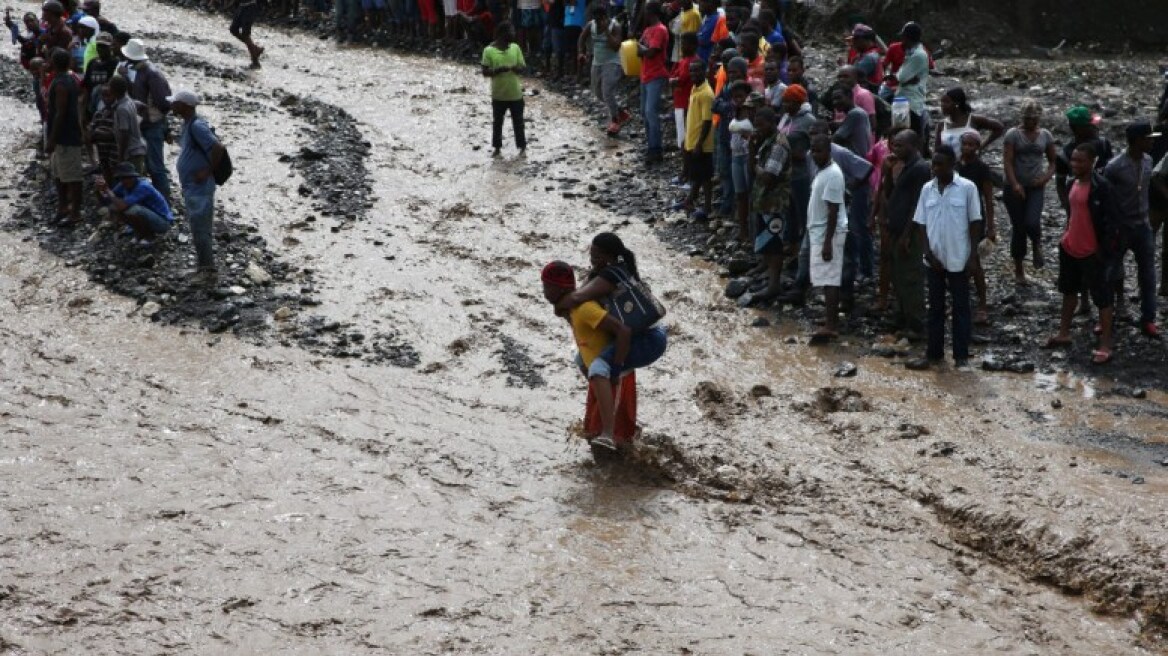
(1077, 275)
(701, 167)
(450, 8)
(245, 16)
(530, 18)
(373, 5)
(829, 274)
(158, 224)
(65, 164)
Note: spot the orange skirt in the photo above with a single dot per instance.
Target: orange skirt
(626, 410)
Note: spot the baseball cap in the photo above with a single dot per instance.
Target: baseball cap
(911, 30)
(862, 31)
(186, 97)
(1139, 129)
(1080, 115)
(90, 22)
(125, 170)
(105, 38)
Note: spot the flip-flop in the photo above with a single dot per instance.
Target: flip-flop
(1101, 356)
(1056, 343)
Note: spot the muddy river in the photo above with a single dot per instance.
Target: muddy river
(172, 489)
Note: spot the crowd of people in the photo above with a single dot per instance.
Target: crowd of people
(856, 183)
(831, 187)
(105, 112)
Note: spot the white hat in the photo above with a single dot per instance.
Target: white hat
(90, 22)
(134, 51)
(186, 97)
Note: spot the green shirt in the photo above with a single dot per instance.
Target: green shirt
(504, 86)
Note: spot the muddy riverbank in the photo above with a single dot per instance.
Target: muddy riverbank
(167, 495)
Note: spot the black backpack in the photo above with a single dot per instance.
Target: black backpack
(222, 173)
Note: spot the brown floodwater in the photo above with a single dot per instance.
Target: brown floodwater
(171, 491)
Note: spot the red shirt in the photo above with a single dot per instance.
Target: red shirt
(652, 68)
(684, 83)
(1079, 239)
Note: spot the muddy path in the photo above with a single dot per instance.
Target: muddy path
(172, 489)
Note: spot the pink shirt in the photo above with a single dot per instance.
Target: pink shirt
(863, 99)
(1079, 240)
(876, 156)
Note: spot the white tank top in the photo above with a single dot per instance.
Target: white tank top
(951, 136)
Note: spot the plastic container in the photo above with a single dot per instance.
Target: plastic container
(629, 59)
(901, 114)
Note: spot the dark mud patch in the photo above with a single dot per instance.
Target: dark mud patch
(169, 57)
(1133, 448)
(1130, 585)
(333, 161)
(258, 296)
(522, 370)
(171, 37)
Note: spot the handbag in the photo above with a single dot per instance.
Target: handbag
(632, 302)
(770, 229)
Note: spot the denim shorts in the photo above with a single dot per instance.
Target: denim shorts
(740, 172)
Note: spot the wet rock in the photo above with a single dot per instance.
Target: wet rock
(150, 309)
(846, 370)
(256, 274)
(1057, 404)
(1138, 480)
(840, 399)
(760, 322)
(282, 313)
(739, 265)
(759, 391)
(736, 288)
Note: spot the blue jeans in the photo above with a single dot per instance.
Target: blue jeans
(957, 284)
(651, 112)
(200, 205)
(1025, 219)
(346, 14)
(154, 134)
(740, 172)
(157, 224)
(1141, 241)
(646, 348)
(864, 251)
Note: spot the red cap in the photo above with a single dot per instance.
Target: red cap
(559, 274)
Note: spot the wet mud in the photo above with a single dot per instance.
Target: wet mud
(258, 498)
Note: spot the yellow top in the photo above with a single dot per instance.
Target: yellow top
(590, 339)
(701, 109)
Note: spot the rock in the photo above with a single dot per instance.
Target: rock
(846, 370)
(150, 309)
(236, 290)
(745, 300)
(759, 391)
(282, 313)
(736, 288)
(1057, 404)
(739, 265)
(256, 274)
(1139, 393)
(1138, 480)
(1020, 367)
(760, 322)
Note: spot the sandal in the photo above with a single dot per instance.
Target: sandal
(1101, 356)
(1056, 343)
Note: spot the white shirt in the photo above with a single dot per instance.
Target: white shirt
(946, 217)
(828, 187)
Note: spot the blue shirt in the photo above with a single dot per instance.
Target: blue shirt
(575, 14)
(147, 196)
(776, 37)
(706, 36)
(194, 155)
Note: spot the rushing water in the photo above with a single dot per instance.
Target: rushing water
(167, 490)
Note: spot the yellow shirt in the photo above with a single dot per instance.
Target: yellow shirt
(691, 21)
(590, 339)
(701, 109)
